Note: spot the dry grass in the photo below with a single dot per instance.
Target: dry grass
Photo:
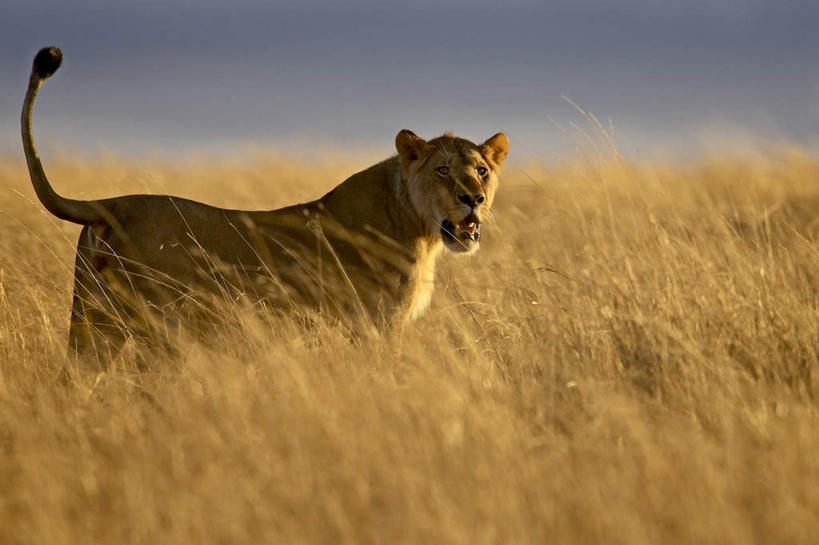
(630, 358)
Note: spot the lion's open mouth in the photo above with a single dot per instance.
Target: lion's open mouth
(467, 229)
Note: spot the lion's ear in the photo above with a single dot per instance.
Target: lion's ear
(495, 149)
(410, 146)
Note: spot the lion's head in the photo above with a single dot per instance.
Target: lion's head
(451, 183)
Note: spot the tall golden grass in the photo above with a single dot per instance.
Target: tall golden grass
(630, 358)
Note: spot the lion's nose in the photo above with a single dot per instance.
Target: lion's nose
(471, 200)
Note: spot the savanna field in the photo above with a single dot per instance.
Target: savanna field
(632, 357)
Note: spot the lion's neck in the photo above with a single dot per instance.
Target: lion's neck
(376, 200)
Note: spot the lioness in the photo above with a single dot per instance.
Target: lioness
(365, 249)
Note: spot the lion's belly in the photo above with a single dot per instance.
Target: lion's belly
(285, 271)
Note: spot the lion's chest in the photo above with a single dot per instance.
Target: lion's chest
(422, 283)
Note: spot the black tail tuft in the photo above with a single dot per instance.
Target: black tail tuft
(47, 61)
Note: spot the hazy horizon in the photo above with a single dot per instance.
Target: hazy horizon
(173, 76)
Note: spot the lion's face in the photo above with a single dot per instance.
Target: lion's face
(451, 183)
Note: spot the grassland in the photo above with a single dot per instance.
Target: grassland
(632, 357)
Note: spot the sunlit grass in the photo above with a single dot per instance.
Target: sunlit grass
(630, 358)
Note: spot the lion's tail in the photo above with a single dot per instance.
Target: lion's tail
(46, 63)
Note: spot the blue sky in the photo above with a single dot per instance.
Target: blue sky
(160, 76)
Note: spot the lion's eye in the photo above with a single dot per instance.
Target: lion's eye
(443, 171)
(482, 171)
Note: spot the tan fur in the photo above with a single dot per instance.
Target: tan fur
(364, 252)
